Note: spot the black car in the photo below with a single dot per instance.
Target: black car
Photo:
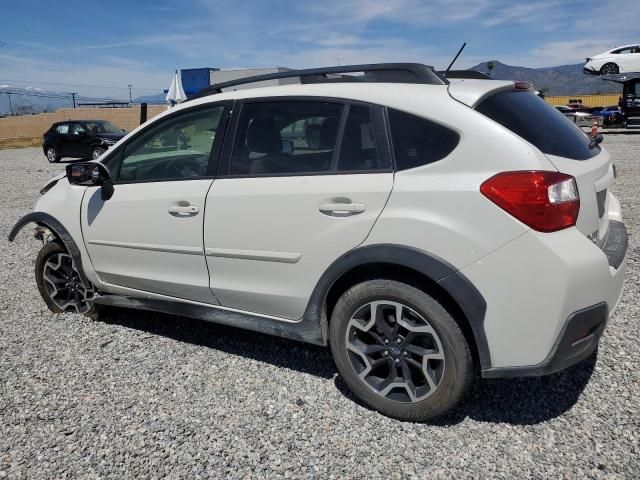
(80, 139)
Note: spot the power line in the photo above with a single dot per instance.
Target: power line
(53, 95)
(76, 85)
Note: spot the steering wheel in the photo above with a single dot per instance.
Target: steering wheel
(184, 168)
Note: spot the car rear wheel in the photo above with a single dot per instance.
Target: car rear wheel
(96, 152)
(609, 69)
(59, 282)
(52, 154)
(399, 350)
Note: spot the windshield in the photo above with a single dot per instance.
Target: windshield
(533, 119)
(101, 126)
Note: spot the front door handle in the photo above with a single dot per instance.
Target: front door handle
(180, 210)
(342, 209)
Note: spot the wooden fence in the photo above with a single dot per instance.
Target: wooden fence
(587, 100)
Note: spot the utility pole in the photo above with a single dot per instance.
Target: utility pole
(10, 107)
(73, 97)
(130, 100)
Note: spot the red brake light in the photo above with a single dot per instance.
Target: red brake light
(521, 85)
(545, 201)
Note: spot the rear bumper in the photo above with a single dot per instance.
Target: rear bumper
(579, 339)
(540, 289)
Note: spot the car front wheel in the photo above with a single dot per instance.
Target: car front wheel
(52, 154)
(399, 350)
(60, 284)
(96, 152)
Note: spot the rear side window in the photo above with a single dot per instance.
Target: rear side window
(418, 141)
(288, 137)
(533, 119)
(304, 137)
(63, 128)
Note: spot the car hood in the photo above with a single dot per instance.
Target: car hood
(111, 136)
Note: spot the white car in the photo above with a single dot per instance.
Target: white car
(618, 60)
(434, 230)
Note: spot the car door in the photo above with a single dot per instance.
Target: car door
(633, 61)
(80, 140)
(61, 139)
(148, 235)
(280, 212)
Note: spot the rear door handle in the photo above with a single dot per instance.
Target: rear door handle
(183, 209)
(342, 209)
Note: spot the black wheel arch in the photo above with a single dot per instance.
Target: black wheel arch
(58, 230)
(410, 265)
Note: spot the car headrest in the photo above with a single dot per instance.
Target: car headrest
(329, 132)
(263, 136)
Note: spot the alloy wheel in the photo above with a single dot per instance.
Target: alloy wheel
(395, 351)
(64, 285)
(96, 152)
(51, 154)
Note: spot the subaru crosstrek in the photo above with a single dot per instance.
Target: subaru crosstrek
(434, 230)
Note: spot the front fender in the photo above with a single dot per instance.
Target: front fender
(61, 233)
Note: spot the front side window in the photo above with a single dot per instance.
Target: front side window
(101, 126)
(285, 137)
(63, 128)
(77, 129)
(418, 141)
(177, 148)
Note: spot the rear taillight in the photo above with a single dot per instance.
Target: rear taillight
(545, 201)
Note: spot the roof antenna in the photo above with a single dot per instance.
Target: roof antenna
(455, 58)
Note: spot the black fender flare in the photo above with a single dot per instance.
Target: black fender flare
(450, 279)
(61, 233)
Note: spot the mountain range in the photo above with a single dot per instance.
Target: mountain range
(560, 80)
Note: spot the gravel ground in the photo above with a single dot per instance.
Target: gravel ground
(144, 395)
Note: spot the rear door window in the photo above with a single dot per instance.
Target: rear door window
(358, 150)
(418, 141)
(305, 137)
(533, 119)
(63, 128)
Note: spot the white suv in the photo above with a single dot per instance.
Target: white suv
(431, 229)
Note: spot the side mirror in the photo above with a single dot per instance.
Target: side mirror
(91, 174)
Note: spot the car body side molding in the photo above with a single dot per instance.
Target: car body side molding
(46, 220)
(452, 281)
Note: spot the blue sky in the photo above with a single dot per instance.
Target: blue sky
(115, 43)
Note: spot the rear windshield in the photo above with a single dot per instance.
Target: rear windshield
(530, 117)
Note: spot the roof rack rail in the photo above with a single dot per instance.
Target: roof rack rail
(374, 72)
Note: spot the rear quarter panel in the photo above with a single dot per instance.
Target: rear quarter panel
(438, 208)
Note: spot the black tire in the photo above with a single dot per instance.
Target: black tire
(51, 251)
(609, 69)
(51, 152)
(96, 152)
(457, 374)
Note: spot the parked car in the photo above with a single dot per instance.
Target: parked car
(80, 139)
(617, 60)
(433, 231)
(608, 115)
(582, 119)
